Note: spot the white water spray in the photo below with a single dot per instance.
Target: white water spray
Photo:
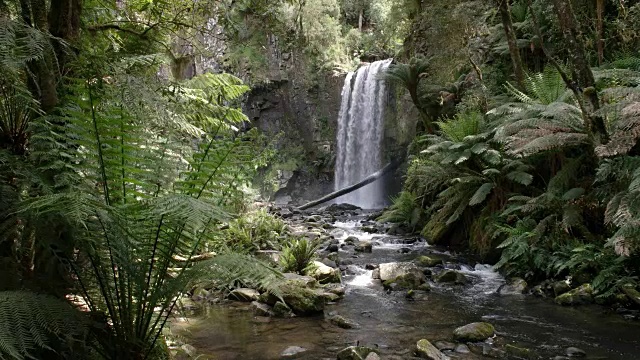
(360, 130)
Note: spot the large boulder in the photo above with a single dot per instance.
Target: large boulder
(426, 350)
(244, 294)
(478, 331)
(300, 293)
(578, 296)
(325, 274)
(391, 271)
(355, 353)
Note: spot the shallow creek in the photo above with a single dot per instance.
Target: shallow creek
(393, 323)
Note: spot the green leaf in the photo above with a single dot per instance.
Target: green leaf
(573, 194)
(520, 177)
(481, 194)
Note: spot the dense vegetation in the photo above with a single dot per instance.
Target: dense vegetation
(126, 175)
(536, 163)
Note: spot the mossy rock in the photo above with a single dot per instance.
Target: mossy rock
(428, 261)
(303, 301)
(280, 309)
(426, 350)
(342, 322)
(578, 296)
(478, 331)
(355, 353)
(409, 281)
(451, 276)
(519, 352)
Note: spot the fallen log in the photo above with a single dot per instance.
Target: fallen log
(368, 180)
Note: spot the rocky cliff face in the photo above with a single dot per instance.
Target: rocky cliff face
(299, 110)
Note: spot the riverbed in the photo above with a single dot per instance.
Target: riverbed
(393, 323)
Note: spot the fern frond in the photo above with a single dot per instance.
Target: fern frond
(30, 323)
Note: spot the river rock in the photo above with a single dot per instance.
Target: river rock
(445, 345)
(292, 351)
(389, 271)
(190, 350)
(351, 240)
(631, 293)
(514, 286)
(578, 296)
(335, 289)
(519, 352)
(375, 274)
(244, 294)
(560, 287)
(355, 353)
(410, 281)
(300, 280)
(451, 276)
(325, 274)
(333, 208)
(341, 321)
(426, 350)
(333, 248)
(303, 301)
(280, 309)
(428, 261)
(372, 356)
(462, 349)
(261, 309)
(574, 352)
(478, 331)
(364, 246)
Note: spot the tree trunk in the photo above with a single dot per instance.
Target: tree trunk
(507, 24)
(368, 180)
(581, 70)
(360, 19)
(600, 30)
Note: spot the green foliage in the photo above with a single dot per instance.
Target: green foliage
(405, 210)
(256, 230)
(544, 88)
(298, 256)
(461, 126)
(29, 322)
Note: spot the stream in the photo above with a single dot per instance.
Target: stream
(393, 323)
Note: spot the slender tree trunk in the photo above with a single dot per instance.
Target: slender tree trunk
(360, 19)
(507, 24)
(581, 70)
(600, 30)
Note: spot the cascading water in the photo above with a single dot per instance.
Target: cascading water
(360, 130)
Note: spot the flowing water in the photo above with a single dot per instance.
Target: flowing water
(394, 324)
(360, 130)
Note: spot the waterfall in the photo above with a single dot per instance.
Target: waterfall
(360, 130)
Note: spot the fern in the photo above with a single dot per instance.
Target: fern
(404, 210)
(298, 255)
(30, 323)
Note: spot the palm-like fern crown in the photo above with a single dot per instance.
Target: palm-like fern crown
(144, 177)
